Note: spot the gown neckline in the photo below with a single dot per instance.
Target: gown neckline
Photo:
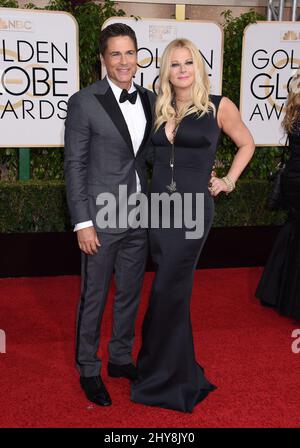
(165, 134)
(178, 129)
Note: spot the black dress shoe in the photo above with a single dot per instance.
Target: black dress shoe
(95, 390)
(122, 371)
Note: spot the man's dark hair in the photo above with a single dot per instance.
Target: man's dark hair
(115, 30)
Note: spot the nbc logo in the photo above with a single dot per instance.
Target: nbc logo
(3, 24)
(15, 25)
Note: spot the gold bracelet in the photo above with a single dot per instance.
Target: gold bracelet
(229, 184)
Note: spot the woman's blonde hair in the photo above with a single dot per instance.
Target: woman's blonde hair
(164, 109)
(292, 113)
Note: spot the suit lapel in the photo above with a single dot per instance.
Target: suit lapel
(108, 101)
(110, 105)
(148, 114)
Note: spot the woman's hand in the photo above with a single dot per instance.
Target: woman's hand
(216, 185)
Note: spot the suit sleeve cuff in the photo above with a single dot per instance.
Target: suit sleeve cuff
(83, 225)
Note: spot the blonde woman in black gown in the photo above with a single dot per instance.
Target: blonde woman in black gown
(279, 286)
(186, 115)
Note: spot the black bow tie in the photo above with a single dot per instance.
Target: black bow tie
(128, 96)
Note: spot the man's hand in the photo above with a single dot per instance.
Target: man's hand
(88, 240)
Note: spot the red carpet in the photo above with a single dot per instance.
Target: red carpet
(245, 349)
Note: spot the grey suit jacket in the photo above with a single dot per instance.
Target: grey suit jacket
(98, 150)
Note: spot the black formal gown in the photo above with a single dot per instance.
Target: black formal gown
(168, 373)
(279, 286)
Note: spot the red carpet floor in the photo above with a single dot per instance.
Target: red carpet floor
(245, 349)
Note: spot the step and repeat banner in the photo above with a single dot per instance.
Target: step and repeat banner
(271, 56)
(39, 71)
(153, 35)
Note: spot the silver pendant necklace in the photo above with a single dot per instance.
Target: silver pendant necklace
(172, 187)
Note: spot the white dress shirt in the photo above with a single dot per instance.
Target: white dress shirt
(134, 116)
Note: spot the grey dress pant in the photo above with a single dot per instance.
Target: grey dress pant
(126, 254)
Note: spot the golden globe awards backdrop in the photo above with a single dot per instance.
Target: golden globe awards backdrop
(39, 71)
(271, 55)
(153, 35)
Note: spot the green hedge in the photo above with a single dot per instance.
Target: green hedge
(33, 206)
(40, 206)
(247, 206)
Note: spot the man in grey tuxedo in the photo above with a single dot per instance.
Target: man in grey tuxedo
(106, 136)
